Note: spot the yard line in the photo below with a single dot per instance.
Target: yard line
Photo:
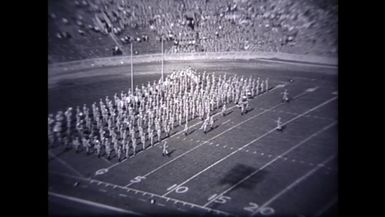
(65, 164)
(296, 182)
(226, 121)
(242, 122)
(140, 191)
(270, 162)
(326, 207)
(294, 113)
(244, 146)
(94, 204)
(179, 132)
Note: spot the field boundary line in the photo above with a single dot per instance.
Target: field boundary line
(92, 203)
(144, 193)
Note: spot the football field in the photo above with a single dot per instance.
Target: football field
(242, 167)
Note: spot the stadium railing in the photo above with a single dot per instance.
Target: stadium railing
(147, 58)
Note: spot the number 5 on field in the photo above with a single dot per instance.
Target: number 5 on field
(137, 179)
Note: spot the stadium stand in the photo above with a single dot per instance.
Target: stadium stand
(84, 29)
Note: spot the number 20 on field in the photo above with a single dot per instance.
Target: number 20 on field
(255, 209)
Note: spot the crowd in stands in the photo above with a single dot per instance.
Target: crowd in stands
(91, 28)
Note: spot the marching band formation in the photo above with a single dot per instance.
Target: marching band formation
(150, 113)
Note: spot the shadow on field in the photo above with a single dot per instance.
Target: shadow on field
(240, 171)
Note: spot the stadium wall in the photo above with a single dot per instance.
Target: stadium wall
(121, 60)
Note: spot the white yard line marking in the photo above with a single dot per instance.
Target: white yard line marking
(272, 161)
(91, 203)
(65, 164)
(253, 141)
(226, 121)
(326, 207)
(140, 191)
(102, 190)
(296, 182)
(123, 195)
(294, 113)
(109, 162)
(242, 122)
(200, 122)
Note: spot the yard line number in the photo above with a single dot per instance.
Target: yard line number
(137, 179)
(178, 189)
(101, 171)
(221, 199)
(253, 207)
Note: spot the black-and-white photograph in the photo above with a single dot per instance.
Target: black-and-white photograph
(193, 108)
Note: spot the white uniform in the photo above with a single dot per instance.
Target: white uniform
(285, 96)
(164, 149)
(279, 124)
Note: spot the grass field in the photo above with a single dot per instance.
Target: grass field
(243, 167)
